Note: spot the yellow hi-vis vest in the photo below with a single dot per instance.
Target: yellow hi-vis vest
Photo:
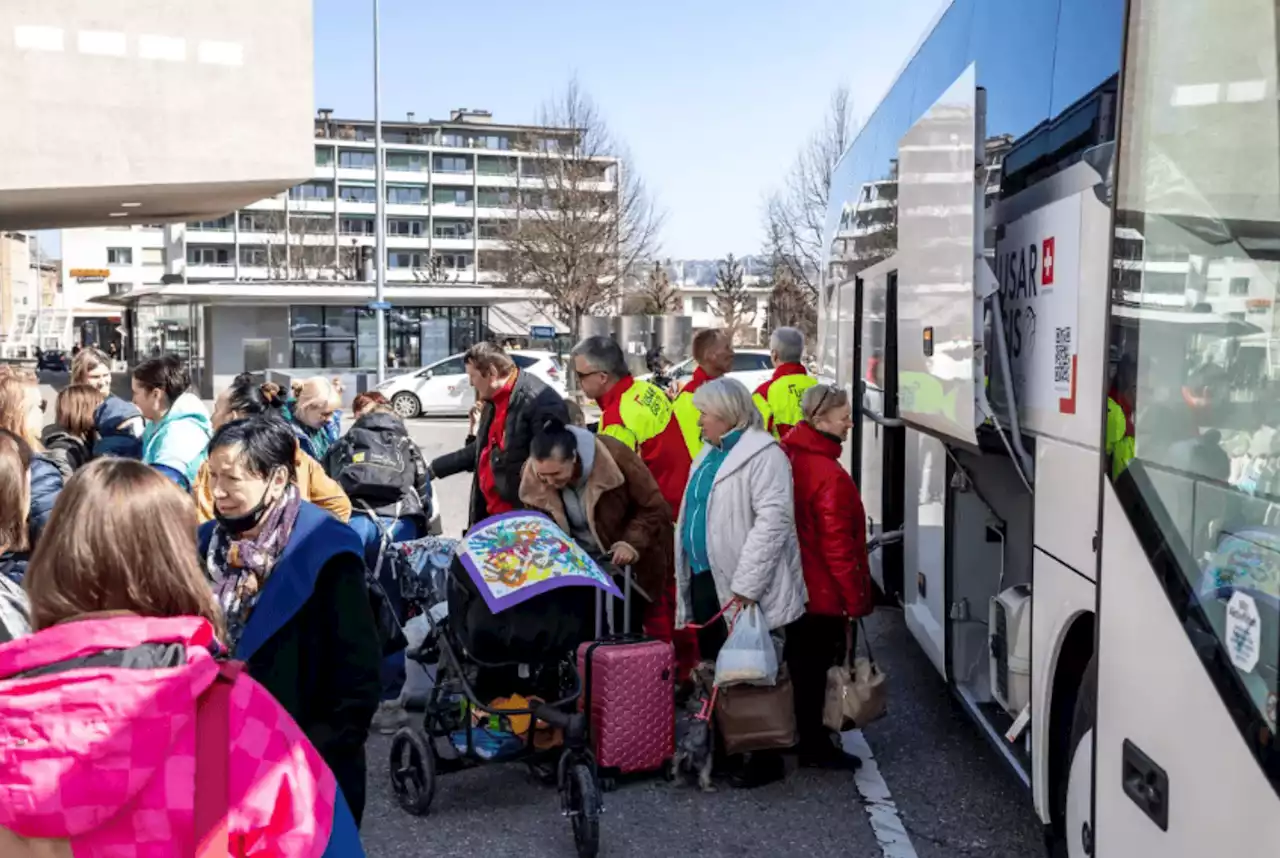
(781, 395)
(687, 413)
(1121, 445)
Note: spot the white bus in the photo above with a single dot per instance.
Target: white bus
(1052, 275)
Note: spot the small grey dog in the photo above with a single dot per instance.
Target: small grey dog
(695, 750)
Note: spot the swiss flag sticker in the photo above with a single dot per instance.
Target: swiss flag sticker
(1046, 263)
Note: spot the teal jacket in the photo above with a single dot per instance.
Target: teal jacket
(177, 444)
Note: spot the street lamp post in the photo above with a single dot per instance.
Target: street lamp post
(380, 229)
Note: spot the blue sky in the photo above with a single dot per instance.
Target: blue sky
(712, 98)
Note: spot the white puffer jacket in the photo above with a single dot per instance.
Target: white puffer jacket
(751, 533)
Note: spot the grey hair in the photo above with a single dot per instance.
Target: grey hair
(602, 354)
(824, 397)
(788, 344)
(729, 399)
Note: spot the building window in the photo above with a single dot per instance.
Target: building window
(119, 255)
(311, 191)
(493, 141)
(493, 198)
(405, 226)
(405, 259)
(1239, 286)
(358, 193)
(452, 164)
(452, 196)
(356, 159)
(324, 156)
(220, 225)
(455, 261)
(448, 139)
(496, 166)
(409, 162)
(257, 222)
(699, 305)
(407, 195)
(311, 224)
(491, 229)
(208, 256)
(152, 256)
(357, 226)
(452, 229)
(253, 256)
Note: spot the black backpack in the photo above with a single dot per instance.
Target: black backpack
(374, 464)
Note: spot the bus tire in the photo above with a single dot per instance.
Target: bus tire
(1076, 839)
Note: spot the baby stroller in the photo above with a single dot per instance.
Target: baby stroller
(506, 686)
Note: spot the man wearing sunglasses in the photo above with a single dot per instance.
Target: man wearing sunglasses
(640, 415)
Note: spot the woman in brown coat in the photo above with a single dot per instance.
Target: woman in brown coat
(601, 493)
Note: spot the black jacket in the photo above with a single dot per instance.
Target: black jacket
(414, 504)
(68, 452)
(532, 402)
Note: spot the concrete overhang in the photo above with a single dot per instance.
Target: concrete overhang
(276, 292)
(151, 112)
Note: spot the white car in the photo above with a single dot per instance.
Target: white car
(442, 388)
(752, 367)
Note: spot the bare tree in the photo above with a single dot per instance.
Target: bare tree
(654, 295)
(585, 219)
(795, 215)
(789, 306)
(302, 247)
(733, 302)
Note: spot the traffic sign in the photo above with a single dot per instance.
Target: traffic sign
(379, 305)
(542, 332)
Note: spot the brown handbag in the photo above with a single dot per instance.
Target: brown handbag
(757, 717)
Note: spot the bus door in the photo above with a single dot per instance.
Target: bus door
(880, 451)
(1182, 723)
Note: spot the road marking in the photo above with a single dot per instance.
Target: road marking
(886, 825)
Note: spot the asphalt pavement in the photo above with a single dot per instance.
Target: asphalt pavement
(953, 795)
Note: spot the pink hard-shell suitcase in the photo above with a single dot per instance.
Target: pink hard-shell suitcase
(628, 696)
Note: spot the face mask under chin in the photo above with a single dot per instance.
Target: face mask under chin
(238, 524)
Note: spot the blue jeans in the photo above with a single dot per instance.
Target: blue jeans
(370, 535)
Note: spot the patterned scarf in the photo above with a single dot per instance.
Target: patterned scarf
(238, 568)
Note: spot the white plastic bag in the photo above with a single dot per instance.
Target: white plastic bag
(748, 656)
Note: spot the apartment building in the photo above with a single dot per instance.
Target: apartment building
(295, 268)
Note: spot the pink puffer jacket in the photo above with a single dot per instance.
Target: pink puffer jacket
(98, 749)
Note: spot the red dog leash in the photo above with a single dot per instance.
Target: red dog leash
(709, 705)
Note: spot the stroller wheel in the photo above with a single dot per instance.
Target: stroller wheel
(581, 794)
(413, 771)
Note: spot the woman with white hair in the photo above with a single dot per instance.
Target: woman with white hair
(736, 535)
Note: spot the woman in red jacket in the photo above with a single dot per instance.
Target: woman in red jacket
(833, 554)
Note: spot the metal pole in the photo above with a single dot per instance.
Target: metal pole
(379, 264)
(35, 246)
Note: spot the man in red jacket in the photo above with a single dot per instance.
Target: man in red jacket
(833, 554)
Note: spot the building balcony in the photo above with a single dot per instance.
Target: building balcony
(221, 271)
(350, 207)
(407, 177)
(210, 236)
(463, 178)
(442, 245)
(322, 206)
(499, 213)
(490, 244)
(418, 210)
(452, 210)
(497, 180)
(407, 242)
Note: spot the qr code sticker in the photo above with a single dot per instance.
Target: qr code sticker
(1062, 356)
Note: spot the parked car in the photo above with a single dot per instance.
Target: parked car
(52, 360)
(442, 388)
(752, 367)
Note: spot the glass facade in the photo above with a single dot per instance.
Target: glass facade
(347, 337)
(1194, 405)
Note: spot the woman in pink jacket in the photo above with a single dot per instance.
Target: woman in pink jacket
(123, 735)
